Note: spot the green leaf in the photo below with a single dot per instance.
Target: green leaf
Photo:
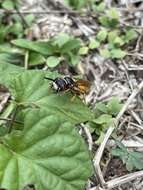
(30, 88)
(136, 159)
(118, 53)
(74, 59)
(129, 165)
(105, 53)
(48, 153)
(113, 13)
(104, 118)
(104, 21)
(100, 139)
(13, 58)
(130, 35)
(121, 146)
(36, 59)
(8, 4)
(71, 45)
(53, 61)
(101, 107)
(118, 152)
(137, 154)
(101, 7)
(76, 4)
(29, 18)
(118, 41)
(7, 72)
(61, 39)
(93, 44)
(83, 50)
(44, 48)
(114, 106)
(102, 34)
(112, 35)
(138, 163)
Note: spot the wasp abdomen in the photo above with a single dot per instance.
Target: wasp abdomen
(70, 82)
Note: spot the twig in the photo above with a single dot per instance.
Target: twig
(100, 150)
(20, 14)
(4, 101)
(126, 72)
(89, 137)
(138, 43)
(39, 12)
(124, 179)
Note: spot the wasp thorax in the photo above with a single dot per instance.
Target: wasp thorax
(59, 84)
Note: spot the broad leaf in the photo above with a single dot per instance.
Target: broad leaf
(36, 59)
(48, 153)
(44, 48)
(7, 72)
(13, 58)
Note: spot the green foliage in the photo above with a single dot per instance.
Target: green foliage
(111, 39)
(111, 19)
(101, 35)
(53, 61)
(97, 7)
(104, 115)
(7, 4)
(110, 44)
(76, 4)
(132, 159)
(93, 44)
(60, 47)
(45, 146)
(83, 50)
(14, 29)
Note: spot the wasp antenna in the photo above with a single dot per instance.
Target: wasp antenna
(49, 79)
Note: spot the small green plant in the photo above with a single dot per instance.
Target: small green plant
(12, 25)
(61, 48)
(76, 4)
(131, 159)
(104, 116)
(97, 7)
(110, 44)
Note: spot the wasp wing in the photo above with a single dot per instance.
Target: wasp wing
(82, 86)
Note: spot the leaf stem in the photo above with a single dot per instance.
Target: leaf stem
(12, 119)
(8, 119)
(26, 60)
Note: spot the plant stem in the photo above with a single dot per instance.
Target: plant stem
(12, 119)
(26, 60)
(8, 119)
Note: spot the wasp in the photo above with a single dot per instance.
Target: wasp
(78, 87)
